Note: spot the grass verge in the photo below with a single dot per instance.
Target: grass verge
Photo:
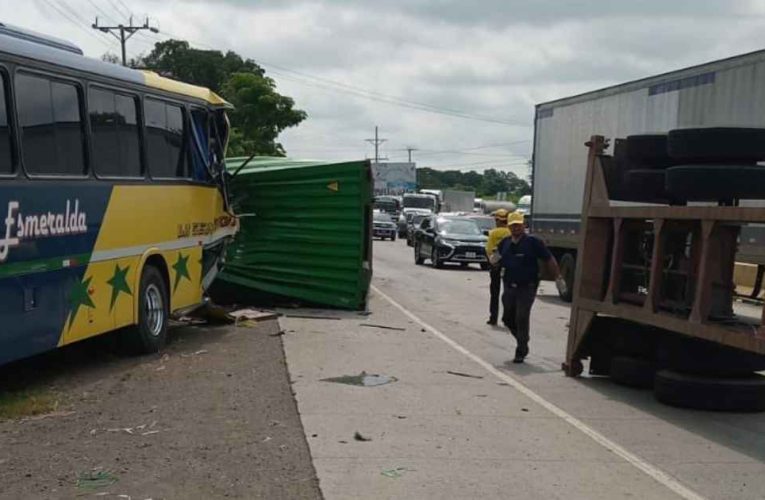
(19, 404)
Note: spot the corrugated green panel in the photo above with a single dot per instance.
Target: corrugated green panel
(305, 230)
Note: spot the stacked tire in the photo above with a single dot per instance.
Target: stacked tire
(642, 161)
(718, 164)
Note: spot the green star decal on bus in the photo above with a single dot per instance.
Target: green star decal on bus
(118, 282)
(79, 297)
(181, 268)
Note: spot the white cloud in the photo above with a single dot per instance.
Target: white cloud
(493, 59)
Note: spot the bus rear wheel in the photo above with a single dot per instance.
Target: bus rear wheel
(150, 334)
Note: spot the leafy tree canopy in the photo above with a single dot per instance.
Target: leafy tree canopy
(260, 113)
(487, 184)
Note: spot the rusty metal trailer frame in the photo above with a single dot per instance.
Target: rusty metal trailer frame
(600, 266)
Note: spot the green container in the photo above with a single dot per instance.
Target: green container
(306, 230)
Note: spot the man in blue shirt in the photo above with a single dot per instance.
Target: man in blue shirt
(520, 255)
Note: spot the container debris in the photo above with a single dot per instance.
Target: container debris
(362, 379)
(396, 472)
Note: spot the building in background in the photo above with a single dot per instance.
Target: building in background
(394, 178)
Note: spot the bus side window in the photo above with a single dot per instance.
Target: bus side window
(51, 125)
(6, 148)
(165, 131)
(114, 131)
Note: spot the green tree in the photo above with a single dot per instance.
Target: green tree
(260, 113)
(488, 184)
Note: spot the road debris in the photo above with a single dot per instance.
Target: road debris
(143, 429)
(53, 414)
(460, 374)
(362, 379)
(358, 437)
(384, 327)
(277, 334)
(96, 479)
(254, 315)
(395, 472)
(311, 316)
(197, 353)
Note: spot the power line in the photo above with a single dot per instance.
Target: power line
(127, 14)
(102, 12)
(487, 163)
(73, 21)
(332, 85)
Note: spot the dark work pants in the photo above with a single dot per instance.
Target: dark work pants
(495, 285)
(517, 302)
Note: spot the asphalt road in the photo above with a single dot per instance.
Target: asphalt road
(507, 430)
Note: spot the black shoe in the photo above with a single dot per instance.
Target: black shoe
(517, 360)
(491, 321)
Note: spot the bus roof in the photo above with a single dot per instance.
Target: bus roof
(24, 43)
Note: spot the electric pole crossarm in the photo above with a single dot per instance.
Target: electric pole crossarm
(122, 29)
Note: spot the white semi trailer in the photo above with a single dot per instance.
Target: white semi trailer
(724, 93)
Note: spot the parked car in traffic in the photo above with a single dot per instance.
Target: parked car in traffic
(406, 216)
(485, 222)
(383, 226)
(411, 227)
(449, 239)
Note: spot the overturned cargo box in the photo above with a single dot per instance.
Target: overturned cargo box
(305, 231)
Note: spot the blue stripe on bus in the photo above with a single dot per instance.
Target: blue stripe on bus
(34, 306)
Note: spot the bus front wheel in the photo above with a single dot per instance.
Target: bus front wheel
(150, 334)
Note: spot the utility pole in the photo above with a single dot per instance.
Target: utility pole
(376, 141)
(409, 150)
(130, 30)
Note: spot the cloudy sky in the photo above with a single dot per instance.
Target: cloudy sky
(455, 79)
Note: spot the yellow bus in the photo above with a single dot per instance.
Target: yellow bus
(113, 206)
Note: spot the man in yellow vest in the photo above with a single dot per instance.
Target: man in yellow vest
(495, 270)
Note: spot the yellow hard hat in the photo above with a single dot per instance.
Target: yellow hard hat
(515, 218)
(500, 214)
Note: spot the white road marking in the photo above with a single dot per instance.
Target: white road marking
(652, 471)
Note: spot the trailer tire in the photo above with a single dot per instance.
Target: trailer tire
(632, 372)
(568, 272)
(716, 182)
(742, 394)
(647, 151)
(646, 185)
(717, 144)
(689, 355)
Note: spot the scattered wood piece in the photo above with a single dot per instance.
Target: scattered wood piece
(311, 316)
(53, 414)
(384, 327)
(460, 374)
(196, 353)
